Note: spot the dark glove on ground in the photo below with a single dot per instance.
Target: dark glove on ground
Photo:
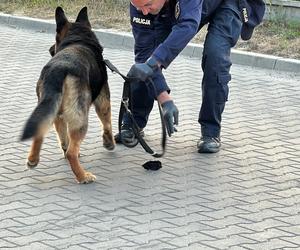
(170, 113)
(143, 71)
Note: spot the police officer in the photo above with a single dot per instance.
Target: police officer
(161, 29)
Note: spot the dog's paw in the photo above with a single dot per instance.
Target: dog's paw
(88, 178)
(32, 164)
(109, 145)
(108, 141)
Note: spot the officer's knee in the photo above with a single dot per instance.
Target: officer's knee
(217, 57)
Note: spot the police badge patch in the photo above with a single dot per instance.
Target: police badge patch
(143, 21)
(177, 10)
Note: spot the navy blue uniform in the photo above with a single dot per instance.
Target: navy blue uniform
(164, 36)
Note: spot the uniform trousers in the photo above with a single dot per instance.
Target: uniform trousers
(224, 28)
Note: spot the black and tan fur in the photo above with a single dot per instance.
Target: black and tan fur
(69, 83)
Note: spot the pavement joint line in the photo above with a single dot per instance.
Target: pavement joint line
(124, 40)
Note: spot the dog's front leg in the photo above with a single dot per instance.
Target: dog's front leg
(103, 110)
(62, 134)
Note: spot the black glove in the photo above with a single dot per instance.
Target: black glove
(170, 111)
(143, 71)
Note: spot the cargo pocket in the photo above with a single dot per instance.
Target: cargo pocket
(223, 90)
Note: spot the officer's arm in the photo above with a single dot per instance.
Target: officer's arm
(189, 16)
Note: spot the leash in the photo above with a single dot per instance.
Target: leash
(124, 108)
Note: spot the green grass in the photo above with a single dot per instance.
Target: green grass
(285, 29)
(65, 3)
(71, 7)
(102, 13)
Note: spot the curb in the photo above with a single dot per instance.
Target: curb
(122, 40)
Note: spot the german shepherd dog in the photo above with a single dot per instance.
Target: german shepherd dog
(69, 83)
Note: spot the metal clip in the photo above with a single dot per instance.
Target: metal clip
(245, 15)
(125, 102)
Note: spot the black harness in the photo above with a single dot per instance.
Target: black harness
(125, 108)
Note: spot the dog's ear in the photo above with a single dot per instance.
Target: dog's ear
(52, 50)
(60, 19)
(83, 17)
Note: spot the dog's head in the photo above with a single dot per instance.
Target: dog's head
(63, 26)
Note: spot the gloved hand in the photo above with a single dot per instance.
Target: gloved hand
(143, 71)
(170, 112)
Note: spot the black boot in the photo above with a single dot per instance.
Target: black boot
(127, 136)
(209, 144)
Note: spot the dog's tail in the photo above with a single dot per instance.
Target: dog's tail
(44, 114)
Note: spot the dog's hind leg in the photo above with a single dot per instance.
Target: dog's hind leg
(103, 110)
(62, 134)
(34, 153)
(75, 138)
(76, 104)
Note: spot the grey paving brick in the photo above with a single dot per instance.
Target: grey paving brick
(7, 244)
(272, 244)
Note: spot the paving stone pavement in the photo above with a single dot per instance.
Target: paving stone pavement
(245, 197)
